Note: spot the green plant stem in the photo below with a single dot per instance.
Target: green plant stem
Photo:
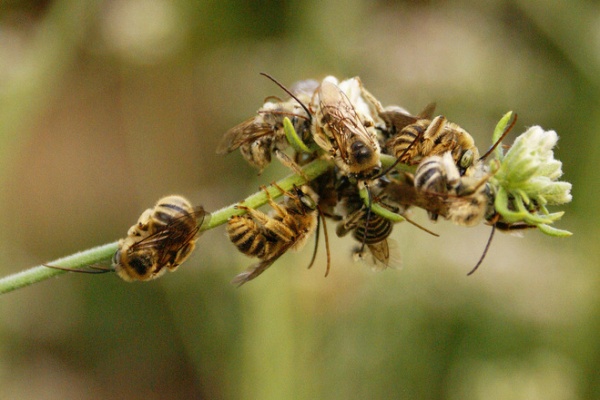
(103, 254)
(40, 273)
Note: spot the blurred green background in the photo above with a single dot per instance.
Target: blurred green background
(105, 106)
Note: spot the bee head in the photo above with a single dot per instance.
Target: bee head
(306, 197)
(365, 161)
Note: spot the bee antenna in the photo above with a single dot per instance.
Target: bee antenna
(420, 226)
(288, 92)
(93, 270)
(508, 129)
(487, 247)
(314, 256)
(320, 218)
(370, 201)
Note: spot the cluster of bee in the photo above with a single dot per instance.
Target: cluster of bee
(345, 123)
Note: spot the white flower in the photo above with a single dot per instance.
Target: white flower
(526, 181)
(529, 167)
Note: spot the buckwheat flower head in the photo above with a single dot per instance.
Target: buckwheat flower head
(525, 181)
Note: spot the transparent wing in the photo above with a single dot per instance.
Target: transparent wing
(248, 131)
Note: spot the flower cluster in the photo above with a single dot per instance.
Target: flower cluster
(525, 181)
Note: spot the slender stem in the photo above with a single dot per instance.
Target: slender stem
(40, 273)
(103, 254)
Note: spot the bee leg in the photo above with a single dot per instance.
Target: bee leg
(269, 223)
(291, 164)
(277, 207)
(433, 131)
(256, 215)
(349, 223)
(282, 190)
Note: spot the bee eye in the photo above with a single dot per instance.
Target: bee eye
(308, 202)
(360, 152)
(466, 159)
(116, 257)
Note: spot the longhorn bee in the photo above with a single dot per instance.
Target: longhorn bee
(348, 137)
(467, 198)
(373, 232)
(434, 137)
(268, 237)
(262, 135)
(161, 240)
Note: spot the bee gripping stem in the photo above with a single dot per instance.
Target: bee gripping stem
(311, 171)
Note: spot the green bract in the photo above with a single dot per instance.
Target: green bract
(292, 137)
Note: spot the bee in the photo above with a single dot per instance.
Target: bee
(268, 237)
(161, 240)
(465, 200)
(372, 231)
(466, 197)
(348, 137)
(262, 135)
(434, 137)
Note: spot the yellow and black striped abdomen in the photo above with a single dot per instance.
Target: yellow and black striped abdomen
(248, 236)
(398, 144)
(430, 176)
(172, 209)
(375, 230)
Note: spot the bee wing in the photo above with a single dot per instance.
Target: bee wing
(343, 120)
(394, 261)
(427, 112)
(409, 195)
(381, 255)
(260, 267)
(399, 118)
(174, 244)
(248, 131)
(175, 231)
(305, 88)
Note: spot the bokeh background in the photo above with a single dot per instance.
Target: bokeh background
(105, 106)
